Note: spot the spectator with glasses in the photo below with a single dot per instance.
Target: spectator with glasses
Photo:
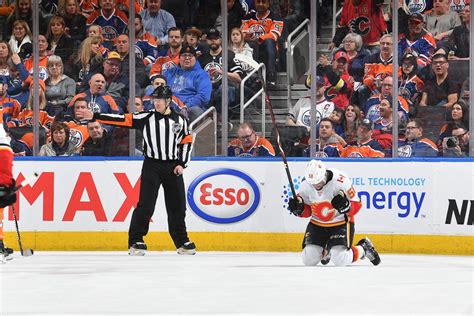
(190, 83)
(414, 144)
(441, 90)
(249, 144)
(458, 144)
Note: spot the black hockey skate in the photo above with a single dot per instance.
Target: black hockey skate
(369, 251)
(6, 254)
(189, 248)
(137, 249)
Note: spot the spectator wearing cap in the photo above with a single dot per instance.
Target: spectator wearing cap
(364, 17)
(211, 62)
(192, 36)
(417, 41)
(364, 145)
(116, 83)
(441, 90)
(410, 86)
(414, 144)
(122, 46)
(157, 21)
(300, 113)
(170, 58)
(339, 84)
(441, 21)
(459, 38)
(190, 83)
(112, 20)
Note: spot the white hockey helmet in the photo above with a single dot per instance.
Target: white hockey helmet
(315, 172)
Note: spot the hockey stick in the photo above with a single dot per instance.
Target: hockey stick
(24, 252)
(27, 252)
(277, 132)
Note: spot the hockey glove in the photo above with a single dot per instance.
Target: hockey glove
(341, 203)
(296, 206)
(7, 195)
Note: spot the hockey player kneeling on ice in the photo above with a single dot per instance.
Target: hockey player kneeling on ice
(327, 196)
(7, 188)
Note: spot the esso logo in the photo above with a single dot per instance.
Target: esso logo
(223, 196)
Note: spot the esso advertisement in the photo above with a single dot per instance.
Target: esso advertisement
(223, 196)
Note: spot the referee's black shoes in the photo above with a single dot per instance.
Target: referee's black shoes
(137, 249)
(189, 248)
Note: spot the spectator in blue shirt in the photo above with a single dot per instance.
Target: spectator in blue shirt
(190, 83)
(157, 21)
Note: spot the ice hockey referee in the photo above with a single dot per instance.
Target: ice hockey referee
(167, 150)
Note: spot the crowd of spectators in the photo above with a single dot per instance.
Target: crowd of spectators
(355, 80)
(84, 62)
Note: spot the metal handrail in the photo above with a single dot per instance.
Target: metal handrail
(289, 63)
(335, 14)
(243, 105)
(205, 122)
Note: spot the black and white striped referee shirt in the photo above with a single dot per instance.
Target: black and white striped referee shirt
(166, 137)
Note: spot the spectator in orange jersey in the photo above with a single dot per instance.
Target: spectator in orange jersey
(88, 6)
(248, 144)
(20, 127)
(171, 58)
(43, 60)
(365, 145)
(262, 29)
(77, 125)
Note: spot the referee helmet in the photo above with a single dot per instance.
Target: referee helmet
(162, 92)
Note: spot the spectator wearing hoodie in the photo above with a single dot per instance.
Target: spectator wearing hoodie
(190, 83)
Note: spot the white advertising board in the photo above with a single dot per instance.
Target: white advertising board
(434, 198)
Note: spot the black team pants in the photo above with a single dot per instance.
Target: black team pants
(154, 174)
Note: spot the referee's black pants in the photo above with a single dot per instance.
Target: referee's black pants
(154, 174)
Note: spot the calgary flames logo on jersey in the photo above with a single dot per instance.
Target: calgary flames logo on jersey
(360, 25)
(323, 211)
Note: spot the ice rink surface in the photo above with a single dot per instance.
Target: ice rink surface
(113, 283)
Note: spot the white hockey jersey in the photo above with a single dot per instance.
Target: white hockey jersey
(318, 203)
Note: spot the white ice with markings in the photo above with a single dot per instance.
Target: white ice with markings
(233, 283)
